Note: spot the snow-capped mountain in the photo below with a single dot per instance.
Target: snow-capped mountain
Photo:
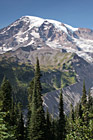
(29, 37)
(40, 33)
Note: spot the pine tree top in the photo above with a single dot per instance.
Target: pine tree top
(84, 97)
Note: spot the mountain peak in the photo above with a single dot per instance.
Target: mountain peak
(38, 21)
(39, 33)
(34, 21)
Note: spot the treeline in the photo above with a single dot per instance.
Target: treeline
(40, 125)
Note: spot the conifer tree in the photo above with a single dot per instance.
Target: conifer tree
(38, 83)
(5, 133)
(13, 117)
(5, 129)
(30, 94)
(6, 97)
(80, 112)
(8, 105)
(61, 124)
(84, 105)
(84, 97)
(90, 102)
(37, 120)
(83, 123)
(32, 134)
(6, 94)
(53, 128)
(21, 128)
(48, 126)
(72, 113)
(12, 113)
(19, 123)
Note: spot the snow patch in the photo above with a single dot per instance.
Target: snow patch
(86, 45)
(35, 34)
(53, 44)
(58, 25)
(34, 21)
(72, 29)
(4, 49)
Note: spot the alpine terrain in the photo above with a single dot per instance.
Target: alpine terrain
(65, 54)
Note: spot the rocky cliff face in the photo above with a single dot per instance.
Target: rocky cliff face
(72, 93)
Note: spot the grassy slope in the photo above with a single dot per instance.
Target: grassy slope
(56, 73)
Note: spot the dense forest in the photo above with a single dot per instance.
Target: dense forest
(78, 125)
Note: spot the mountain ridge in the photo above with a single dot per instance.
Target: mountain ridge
(29, 30)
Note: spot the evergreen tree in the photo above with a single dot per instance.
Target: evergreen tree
(8, 106)
(19, 123)
(90, 102)
(72, 113)
(48, 126)
(5, 129)
(78, 111)
(38, 83)
(37, 120)
(21, 128)
(84, 105)
(61, 135)
(5, 133)
(12, 113)
(83, 123)
(30, 94)
(6, 95)
(84, 97)
(6, 98)
(32, 134)
(54, 129)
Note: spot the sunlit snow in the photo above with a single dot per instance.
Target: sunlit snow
(72, 29)
(58, 25)
(32, 33)
(35, 34)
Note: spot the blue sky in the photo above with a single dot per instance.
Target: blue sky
(78, 13)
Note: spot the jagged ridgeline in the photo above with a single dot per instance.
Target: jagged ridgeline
(56, 69)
